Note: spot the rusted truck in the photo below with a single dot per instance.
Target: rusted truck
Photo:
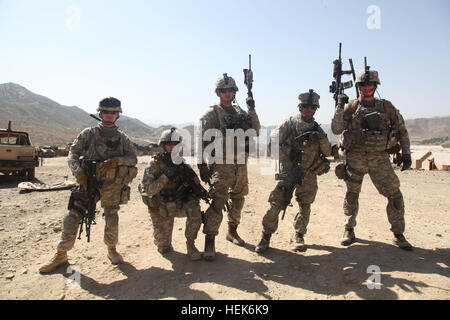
(17, 154)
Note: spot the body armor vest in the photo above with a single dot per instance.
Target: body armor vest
(368, 129)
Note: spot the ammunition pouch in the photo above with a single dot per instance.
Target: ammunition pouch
(372, 121)
(126, 174)
(118, 174)
(364, 140)
(239, 121)
(374, 140)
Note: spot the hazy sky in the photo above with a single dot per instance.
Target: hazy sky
(162, 58)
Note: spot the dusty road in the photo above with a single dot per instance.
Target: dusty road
(30, 226)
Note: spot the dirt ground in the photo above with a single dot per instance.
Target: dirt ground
(30, 227)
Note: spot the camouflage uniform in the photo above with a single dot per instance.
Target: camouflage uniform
(116, 168)
(228, 180)
(101, 143)
(164, 204)
(366, 153)
(312, 152)
(305, 193)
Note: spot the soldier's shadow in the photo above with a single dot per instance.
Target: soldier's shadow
(189, 280)
(343, 270)
(332, 271)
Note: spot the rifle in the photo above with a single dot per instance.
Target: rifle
(188, 178)
(90, 166)
(248, 77)
(337, 87)
(295, 176)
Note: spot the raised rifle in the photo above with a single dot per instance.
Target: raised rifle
(337, 87)
(248, 77)
(90, 167)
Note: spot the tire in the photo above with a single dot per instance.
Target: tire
(31, 174)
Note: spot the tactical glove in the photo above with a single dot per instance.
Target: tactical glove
(250, 103)
(82, 180)
(342, 99)
(406, 160)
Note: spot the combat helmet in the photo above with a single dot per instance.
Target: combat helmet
(110, 104)
(166, 137)
(226, 82)
(309, 99)
(367, 76)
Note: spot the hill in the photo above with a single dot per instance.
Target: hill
(48, 122)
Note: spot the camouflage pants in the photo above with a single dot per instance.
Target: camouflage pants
(229, 181)
(163, 222)
(379, 168)
(110, 200)
(305, 195)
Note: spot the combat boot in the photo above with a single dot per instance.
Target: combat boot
(165, 249)
(349, 237)
(233, 236)
(210, 251)
(299, 244)
(263, 245)
(400, 241)
(58, 259)
(192, 251)
(114, 256)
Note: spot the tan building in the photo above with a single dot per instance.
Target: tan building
(430, 157)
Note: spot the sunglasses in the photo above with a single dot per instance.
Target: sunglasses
(110, 112)
(171, 143)
(309, 107)
(365, 84)
(224, 90)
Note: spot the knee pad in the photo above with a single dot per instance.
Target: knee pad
(218, 204)
(396, 200)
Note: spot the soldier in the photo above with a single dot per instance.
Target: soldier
(304, 147)
(108, 145)
(370, 127)
(163, 191)
(227, 180)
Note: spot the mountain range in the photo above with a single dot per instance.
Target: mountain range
(48, 122)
